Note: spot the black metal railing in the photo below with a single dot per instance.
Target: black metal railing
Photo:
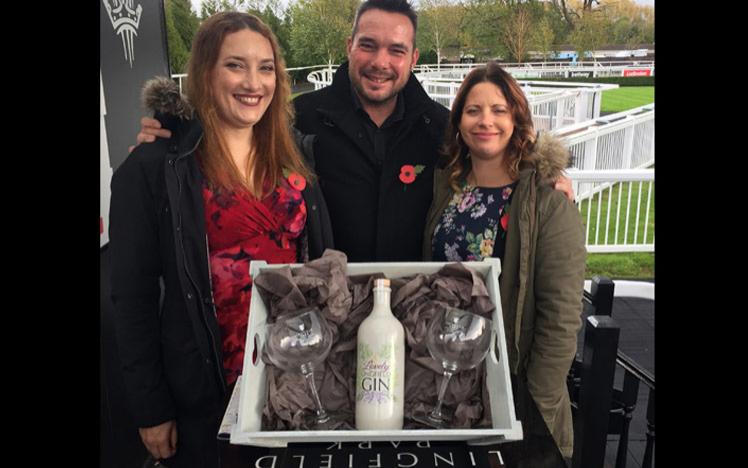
(598, 406)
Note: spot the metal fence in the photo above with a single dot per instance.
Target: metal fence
(617, 209)
(624, 140)
(554, 104)
(540, 70)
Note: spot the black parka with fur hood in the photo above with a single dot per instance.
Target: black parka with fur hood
(166, 327)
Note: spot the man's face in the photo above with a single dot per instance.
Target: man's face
(381, 56)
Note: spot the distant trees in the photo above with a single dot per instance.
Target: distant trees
(589, 33)
(313, 32)
(181, 24)
(543, 38)
(319, 29)
(439, 26)
(518, 32)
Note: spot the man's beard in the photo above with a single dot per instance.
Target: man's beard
(365, 99)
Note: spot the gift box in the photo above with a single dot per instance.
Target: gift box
(253, 390)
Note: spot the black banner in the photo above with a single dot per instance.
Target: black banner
(132, 40)
(133, 49)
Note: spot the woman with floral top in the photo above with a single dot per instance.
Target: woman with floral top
(494, 197)
(188, 214)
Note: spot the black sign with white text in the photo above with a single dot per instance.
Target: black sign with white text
(132, 39)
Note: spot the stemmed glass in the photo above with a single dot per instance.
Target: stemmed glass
(297, 342)
(459, 340)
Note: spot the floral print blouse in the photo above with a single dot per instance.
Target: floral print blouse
(241, 228)
(473, 225)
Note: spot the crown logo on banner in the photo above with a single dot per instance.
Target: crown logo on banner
(125, 21)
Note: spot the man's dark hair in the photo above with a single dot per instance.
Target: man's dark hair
(391, 6)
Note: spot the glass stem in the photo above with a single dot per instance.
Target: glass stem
(321, 413)
(437, 412)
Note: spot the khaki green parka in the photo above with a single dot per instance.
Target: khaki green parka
(541, 283)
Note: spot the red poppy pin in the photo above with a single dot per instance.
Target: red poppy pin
(505, 221)
(296, 180)
(408, 174)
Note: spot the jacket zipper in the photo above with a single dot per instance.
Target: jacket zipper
(194, 284)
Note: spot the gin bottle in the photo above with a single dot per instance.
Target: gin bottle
(380, 365)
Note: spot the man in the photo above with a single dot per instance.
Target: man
(374, 123)
(378, 136)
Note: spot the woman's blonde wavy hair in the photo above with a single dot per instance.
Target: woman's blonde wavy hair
(273, 141)
(455, 151)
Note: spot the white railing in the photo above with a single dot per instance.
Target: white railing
(624, 140)
(554, 104)
(322, 77)
(457, 71)
(617, 209)
(179, 77)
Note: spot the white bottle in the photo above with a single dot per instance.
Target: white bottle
(380, 369)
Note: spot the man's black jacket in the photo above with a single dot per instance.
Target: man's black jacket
(375, 215)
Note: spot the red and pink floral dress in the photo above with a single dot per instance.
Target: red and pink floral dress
(241, 228)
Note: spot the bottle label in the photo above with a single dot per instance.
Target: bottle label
(376, 374)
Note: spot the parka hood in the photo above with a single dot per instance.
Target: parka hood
(170, 107)
(549, 157)
(161, 96)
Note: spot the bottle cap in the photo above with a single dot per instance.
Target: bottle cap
(381, 283)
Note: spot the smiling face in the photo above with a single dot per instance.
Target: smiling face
(381, 55)
(243, 79)
(486, 125)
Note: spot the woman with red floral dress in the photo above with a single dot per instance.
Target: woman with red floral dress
(241, 229)
(187, 216)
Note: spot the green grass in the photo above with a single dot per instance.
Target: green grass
(630, 265)
(625, 98)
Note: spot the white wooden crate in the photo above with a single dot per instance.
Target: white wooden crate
(253, 389)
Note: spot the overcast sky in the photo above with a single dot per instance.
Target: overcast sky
(196, 4)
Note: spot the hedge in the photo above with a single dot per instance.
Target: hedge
(619, 80)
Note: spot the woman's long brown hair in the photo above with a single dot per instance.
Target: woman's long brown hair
(273, 143)
(455, 151)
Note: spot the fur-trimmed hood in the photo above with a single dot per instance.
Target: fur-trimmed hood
(549, 157)
(161, 96)
(171, 108)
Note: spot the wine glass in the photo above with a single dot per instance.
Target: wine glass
(297, 342)
(459, 340)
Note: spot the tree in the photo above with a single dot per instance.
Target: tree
(179, 53)
(319, 29)
(439, 26)
(588, 4)
(185, 21)
(589, 33)
(543, 38)
(210, 7)
(480, 29)
(631, 24)
(272, 14)
(517, 32)
(568, 14)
